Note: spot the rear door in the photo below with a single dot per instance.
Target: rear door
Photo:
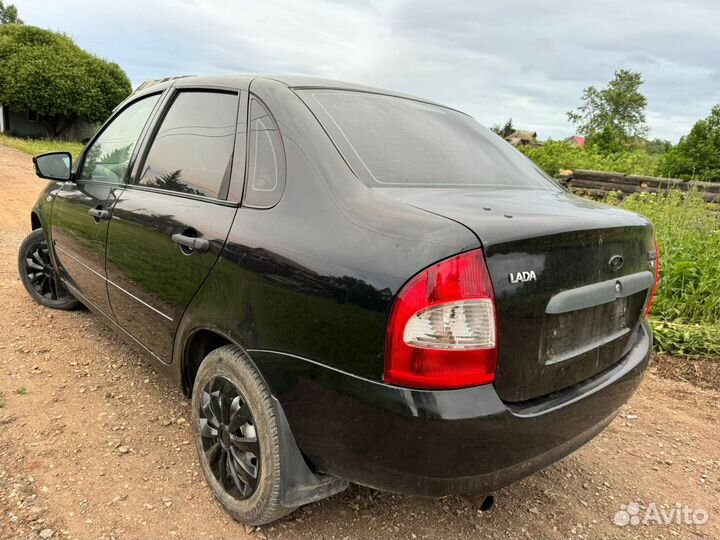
(169, 226)
(82, 208)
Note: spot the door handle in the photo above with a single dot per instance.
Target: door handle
(99, 213)
(195, 244)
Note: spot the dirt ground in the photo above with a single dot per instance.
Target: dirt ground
(95, 444)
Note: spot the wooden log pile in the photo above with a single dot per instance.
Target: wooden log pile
(600, 183)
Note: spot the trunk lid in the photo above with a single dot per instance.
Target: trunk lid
(571, 279)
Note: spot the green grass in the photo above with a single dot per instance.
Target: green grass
(686, 311)
(40, 146)
(688, 340)
(22, 391)
(555, 156)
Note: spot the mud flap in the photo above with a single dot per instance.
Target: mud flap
(299, 484)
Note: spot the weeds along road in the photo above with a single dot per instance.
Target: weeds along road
(94, 444)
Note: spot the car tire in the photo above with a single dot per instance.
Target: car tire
(231, 404)
(38, 274)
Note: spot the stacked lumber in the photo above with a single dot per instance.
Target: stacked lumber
(600, 183)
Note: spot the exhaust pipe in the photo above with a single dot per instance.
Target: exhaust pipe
(483, 503)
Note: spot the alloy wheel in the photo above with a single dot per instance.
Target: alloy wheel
(40, 272)
(229, 439)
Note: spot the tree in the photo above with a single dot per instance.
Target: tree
(656, 146)
(9, 14)
(697, 155)
(610, 118)
(505, 130)
(47, 72)
(173, 181)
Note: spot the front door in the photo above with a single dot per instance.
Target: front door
(82, 208)
(168, 227)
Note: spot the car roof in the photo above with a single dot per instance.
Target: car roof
(298, 82)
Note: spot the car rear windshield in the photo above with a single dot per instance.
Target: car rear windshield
(393, 141)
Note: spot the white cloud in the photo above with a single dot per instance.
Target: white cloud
(528, 60)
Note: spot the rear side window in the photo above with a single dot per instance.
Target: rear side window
(392, 141)
(192, 150)
(266, 160)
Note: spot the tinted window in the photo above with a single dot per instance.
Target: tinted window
(107, 159)
(266, 160)
(192, 150)
(400, 142)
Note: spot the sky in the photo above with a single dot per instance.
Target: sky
(494, 59)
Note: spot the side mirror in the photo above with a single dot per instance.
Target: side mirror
(53, 165)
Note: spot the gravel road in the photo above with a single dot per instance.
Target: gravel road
(94, 443)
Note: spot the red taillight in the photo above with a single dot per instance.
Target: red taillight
(442, 331)
(657, 278)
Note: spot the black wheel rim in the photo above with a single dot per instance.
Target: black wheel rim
(40, 272)
(229, 439)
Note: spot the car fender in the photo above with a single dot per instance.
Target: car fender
(300, 485)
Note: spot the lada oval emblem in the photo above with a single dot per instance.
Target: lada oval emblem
(616, 262)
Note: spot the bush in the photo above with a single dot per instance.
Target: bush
(47, 72)
(555, 156)
(686, 310)
(697, 155)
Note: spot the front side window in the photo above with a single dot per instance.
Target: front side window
(266, 160)
(192, 150)
(107, 159)
(393, 141)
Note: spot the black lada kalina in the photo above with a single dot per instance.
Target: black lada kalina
(353, 286)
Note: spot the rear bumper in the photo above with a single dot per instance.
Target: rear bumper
(447, 442)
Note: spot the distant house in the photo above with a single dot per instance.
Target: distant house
(576, 140)
(523, 138)
(35, 125)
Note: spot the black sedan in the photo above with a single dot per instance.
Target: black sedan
(353, 286)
